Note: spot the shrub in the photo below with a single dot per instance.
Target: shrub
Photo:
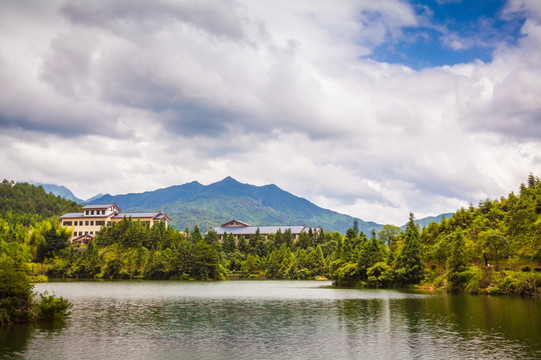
(346, 275)
(525, 268)
(51, 308)
(380, 275)
(467, 280)
(519, 284)
(474, 275)
(15, 292)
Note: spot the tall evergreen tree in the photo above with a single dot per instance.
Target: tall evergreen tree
(457, 264)
(409, 266)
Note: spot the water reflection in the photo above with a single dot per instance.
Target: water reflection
(275, 320)
(15, 338)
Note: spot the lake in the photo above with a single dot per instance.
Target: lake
(274, 320)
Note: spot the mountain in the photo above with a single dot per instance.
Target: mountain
(89, 200)
(211, 205)
(214, 204)
(60, 191)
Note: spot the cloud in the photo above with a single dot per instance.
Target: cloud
(121, 96)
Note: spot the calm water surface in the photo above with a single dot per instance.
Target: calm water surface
(275, 320)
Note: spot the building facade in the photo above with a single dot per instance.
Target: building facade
(242, 229)
(85, 225)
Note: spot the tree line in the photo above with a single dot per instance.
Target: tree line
(24, 208)
(490, 248)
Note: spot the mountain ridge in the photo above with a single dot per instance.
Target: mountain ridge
(210, 205)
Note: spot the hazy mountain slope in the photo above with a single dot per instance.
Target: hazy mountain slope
(61, 191)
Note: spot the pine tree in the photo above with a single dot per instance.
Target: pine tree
(457, 264)
(409, 266)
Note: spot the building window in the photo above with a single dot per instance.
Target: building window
(99, 222)
(86, 222)
(66, 223)
(86, 232)
(92, 233)
(92, 222)
(91, 212)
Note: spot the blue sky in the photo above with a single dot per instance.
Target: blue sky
(452, 32)
(347, 105)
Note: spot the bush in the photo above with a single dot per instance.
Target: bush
(525, 268)
(346, 275)
(465, 281)
(16, 293)
(474, 275)
(380, 275)
(519, 284)
(52, 308)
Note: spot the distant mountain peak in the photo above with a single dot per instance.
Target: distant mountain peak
(95, 197)
(60, 190)
(229, 179)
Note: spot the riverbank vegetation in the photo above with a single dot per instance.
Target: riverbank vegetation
(492, 248)
(23, 206)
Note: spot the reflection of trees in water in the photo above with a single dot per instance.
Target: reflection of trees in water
(367, 325)
(15, 338)
(466, 326)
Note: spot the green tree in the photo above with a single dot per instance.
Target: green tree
(409, 267)
(457, 264)
(372, 251)
(211, 237)
(195, 235)
(229, 243)
(16, 294)
(496, 246)
(389, 234)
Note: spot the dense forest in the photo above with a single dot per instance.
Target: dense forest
(25, 208)
(492, 248)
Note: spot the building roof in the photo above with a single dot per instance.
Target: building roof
(146, 215)
(82, 215)
(83, 239)
(72, 216)
(100, 207)
(163, 216)
(263, 230)
(234, 222)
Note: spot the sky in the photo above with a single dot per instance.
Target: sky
(369, 108)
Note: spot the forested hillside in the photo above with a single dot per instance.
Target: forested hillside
(29, 201)
(493, 248)
(29, 232)
(211, 205)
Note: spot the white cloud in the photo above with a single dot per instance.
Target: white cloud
(129, 96)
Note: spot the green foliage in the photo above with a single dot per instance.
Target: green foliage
(457, 251)
(346, 275)
(17, 303)
(52, 308)
(16, 296)
(519, 284)
(380, 275)
(409, 266)
(27, 204)
(495, 246)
